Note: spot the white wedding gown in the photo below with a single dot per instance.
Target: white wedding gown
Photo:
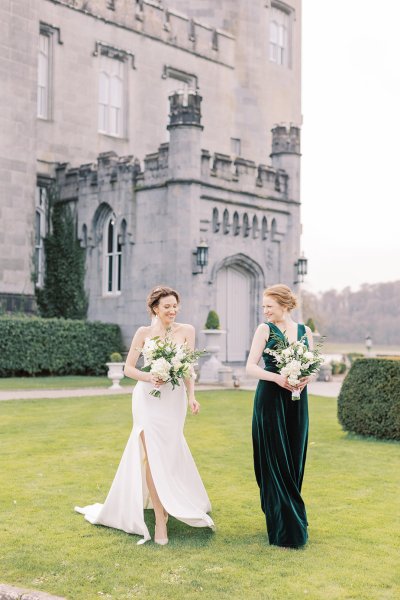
(174, 472)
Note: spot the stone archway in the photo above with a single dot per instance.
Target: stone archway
(238, 284)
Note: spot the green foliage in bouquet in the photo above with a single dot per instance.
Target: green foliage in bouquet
(369, 401)
(212, 320)
(63, 293)
(36, 346)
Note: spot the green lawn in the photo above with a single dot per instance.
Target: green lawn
(55, 383)
(57, 454)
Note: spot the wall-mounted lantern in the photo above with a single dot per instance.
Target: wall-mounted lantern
(301, 268)
(201, 254)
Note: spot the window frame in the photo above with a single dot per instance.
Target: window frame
(112, 258)
(285, 49)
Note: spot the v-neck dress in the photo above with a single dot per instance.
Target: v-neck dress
(280, 433)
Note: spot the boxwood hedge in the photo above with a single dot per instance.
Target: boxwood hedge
(36, 346)
(369, 401)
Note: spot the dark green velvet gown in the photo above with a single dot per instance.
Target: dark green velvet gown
(280, 432)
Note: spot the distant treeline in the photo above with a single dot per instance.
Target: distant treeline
(348, 316)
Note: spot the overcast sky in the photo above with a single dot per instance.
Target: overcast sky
(351, 142)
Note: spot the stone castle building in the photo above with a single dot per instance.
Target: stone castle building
(173, 129)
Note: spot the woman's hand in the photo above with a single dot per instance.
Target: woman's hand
(194, 406)
(303, 382)
(283, 382)
(154, 380)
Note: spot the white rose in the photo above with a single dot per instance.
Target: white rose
(161, 368)
(309, 355)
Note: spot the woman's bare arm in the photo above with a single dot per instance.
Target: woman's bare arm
(130, 369)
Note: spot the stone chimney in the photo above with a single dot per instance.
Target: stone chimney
(185, 129)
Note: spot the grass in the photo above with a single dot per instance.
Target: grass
(55, 383)
(58, 454)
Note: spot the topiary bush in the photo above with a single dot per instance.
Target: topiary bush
(36, 346)
(369, 401)
(212, 320)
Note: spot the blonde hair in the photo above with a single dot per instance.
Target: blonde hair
(157, 293)
(283, 295)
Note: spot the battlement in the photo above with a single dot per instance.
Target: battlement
(220, 169)
(152, 18)
(185, 109)
(285, 139)
(108, 169)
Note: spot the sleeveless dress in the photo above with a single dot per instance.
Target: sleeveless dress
(174, 472)
(280, 432)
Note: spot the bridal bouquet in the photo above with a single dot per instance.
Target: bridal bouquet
(168, 361)
(295, 360)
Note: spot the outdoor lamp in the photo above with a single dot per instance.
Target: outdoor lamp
(301, 268)
(368, 343)
(202, 255)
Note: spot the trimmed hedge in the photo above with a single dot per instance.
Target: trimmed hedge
(369, 401)
(36, 346)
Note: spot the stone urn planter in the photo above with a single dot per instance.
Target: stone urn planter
(115, 371)
(209, 372)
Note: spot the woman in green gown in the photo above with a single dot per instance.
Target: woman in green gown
(280, 424)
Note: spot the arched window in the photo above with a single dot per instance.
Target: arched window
(113, 257)
(273, 229)
(264, 229)
(226, 225)
(236, 225)
(246, 227)
(215, 221)
(255, 227)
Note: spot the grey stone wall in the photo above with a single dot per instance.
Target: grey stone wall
(18, 65)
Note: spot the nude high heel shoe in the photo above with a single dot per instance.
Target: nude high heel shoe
(161, 541)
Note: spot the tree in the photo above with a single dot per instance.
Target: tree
(63, 293)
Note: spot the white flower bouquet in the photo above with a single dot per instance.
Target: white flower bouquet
(168, 361)
(295, 360)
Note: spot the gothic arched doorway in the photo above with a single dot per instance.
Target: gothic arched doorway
(239, 282)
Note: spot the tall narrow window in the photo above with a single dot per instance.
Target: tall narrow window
(44, 76)
(279, 32)
(111, 96)
(215, 221)
(40, 232)
(113, 258)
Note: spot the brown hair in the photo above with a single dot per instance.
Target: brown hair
(157, 293)
(283, 295)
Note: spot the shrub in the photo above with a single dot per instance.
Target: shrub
(369, 401)
(115, 357)
(310, 323)
(36, 346)
(352, 356)
(212, 320)
(338, 368)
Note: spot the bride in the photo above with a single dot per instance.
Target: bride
(157, 469)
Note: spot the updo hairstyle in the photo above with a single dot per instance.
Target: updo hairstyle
(156, 294)
(283, 295)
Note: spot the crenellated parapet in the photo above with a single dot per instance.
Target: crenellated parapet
(185, 109)
(285, 139)
(108, 170)
(219, 169)
(154, 19)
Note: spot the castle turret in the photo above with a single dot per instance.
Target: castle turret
(286, 155)
(185, 129)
